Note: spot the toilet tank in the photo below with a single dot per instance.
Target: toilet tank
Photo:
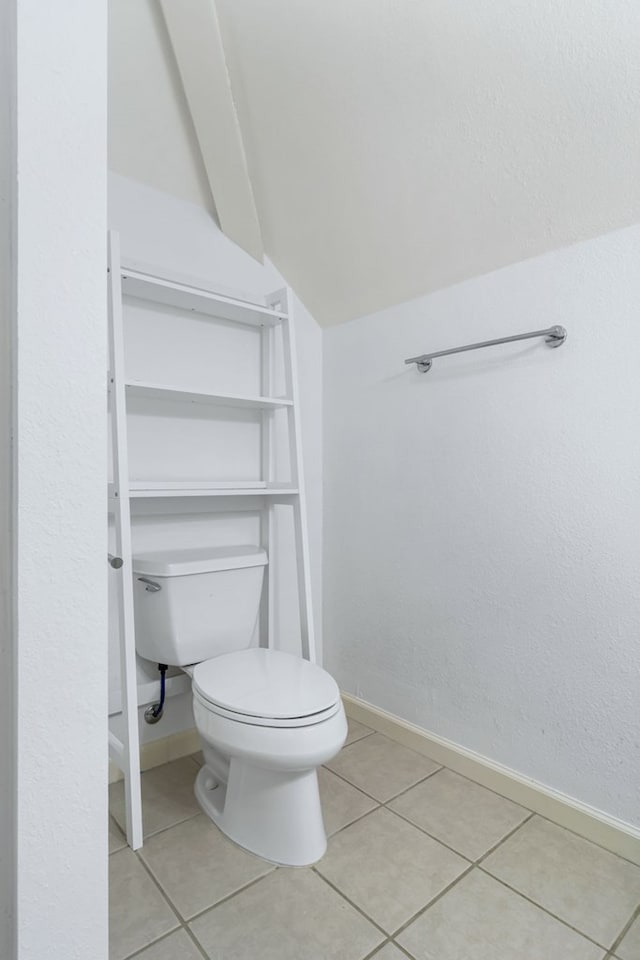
(191, 605)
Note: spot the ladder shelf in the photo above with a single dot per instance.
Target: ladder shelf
(154, 286)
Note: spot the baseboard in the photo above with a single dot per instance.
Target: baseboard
(609, 832)
(157, 752)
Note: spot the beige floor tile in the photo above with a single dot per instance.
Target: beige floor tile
(341, 803)
(138, 913)
(480, 919)
(177, 946)
(197, 866)
(460, 813)
(381, 767)
(117, 839)
(289, 915)
(197, 757)
(167, 796)
(356, 731)
(389, 952)
(629, 949)
(586, 886)
(388, 868)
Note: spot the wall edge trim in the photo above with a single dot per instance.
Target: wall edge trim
(607, 831)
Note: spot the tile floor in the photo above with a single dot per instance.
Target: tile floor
(422, 863)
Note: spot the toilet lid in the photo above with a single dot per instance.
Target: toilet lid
(265, 683)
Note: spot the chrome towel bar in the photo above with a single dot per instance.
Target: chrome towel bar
(554, 337)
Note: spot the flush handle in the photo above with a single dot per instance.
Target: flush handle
(151, 585)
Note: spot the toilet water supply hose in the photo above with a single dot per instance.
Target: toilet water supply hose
(155, 710)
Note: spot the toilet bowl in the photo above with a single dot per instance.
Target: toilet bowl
(267, 719)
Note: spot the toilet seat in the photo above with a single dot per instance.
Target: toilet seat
(266, 688)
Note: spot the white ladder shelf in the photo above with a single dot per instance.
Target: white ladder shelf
(181, 293)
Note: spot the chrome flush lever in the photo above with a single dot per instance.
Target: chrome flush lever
(151, 585)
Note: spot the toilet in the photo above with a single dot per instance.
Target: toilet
(267, 719)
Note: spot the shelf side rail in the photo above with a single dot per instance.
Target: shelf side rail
(130, 752)
(301, 530)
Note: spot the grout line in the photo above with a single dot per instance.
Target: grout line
(375, 950)
(503, 796)
(156, 833)
(433, 900)
(533, 813)
(506, 837)
(618, 856)
(192, 816)
(416, 784)
(565, 923)
(413, 917)
(160, 887)
(346, 826)
(354, 905)
(426, 833)
(230, 896)
(458, 853)
(184, 921)
(120, 831)
(402, 949)
(344, 780)
(153, 943)
(358, 739)
(389, 799)
(625, 930)
(195, 940)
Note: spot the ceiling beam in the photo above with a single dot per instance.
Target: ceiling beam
(194, 32)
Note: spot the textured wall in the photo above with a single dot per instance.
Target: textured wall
(160, 229)
(7, 340)
(61, 569)
(482, 521)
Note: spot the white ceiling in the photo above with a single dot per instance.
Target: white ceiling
(398, 146)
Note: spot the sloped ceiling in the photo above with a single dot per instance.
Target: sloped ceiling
(398, 146)
(151, 136)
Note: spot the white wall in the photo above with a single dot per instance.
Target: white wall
(482, 521)
(7, 340)
(182, 237)
(60, 570)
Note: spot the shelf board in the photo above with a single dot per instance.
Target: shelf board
(156, 391)
(139, 489)
(145, 286)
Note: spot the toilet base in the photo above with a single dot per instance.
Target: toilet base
(273, 814)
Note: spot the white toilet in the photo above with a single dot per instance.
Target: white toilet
(267, 719)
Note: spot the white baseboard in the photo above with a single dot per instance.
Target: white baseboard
(609, 832)
(157, 752)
